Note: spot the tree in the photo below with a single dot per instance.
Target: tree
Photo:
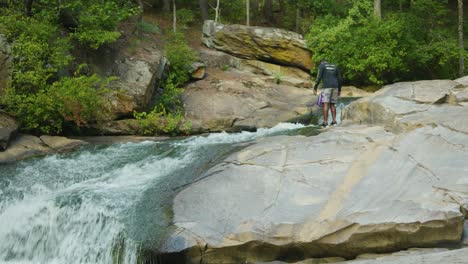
(216, 9)
(166, 5)
(268, 10)
(460, 39)
(378, 8)
(247, 12)
(255, 7)
(28, 7)
(203, 9)
(174, 17)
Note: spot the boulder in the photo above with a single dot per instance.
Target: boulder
(235, 100)
(348, 191)
(8, 130)
(138, 71)
(404, 106)
(138, 80)
(265, 44)
(62, 144)
(272, 73)
(5, 62)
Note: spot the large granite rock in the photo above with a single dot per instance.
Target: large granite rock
(265, 44)
(404, 106)
(8, 130)
(138, 81)
(348, 191)
(5, 62)
(234, 100)
(138, 67)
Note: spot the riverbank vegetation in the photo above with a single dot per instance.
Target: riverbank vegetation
(373, 42)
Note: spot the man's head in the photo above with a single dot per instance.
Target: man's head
(323, 61)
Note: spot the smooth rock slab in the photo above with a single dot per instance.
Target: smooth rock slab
(345, 192)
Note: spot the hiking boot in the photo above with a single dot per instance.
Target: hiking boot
(324, 124)
(333, 123)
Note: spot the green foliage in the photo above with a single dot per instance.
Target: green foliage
(184, 17)
(96, 20)
(401, 46)
(278, 77)
(180, 56)
(72, 100)
(158, 121)
(148, 27)
(41, 95)
(167, 117)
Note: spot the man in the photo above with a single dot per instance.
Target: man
(331, 76)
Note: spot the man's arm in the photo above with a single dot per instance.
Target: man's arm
(340, 80)
(319, 78)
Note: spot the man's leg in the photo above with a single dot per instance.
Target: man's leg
(333, 111)
(325, 113)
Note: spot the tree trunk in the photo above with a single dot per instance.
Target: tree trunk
(298, 19)
(461, 43)
(203, 9)
(247, 12)
(174, 12)
(378, 8)
(268, 10)
(166, 5)
(217, 11)
(255, 11)
(28, 7)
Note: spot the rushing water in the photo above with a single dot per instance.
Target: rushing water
(102, 203)
(105, 204)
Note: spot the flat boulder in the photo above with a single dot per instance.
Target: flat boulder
(8, 130)
(270, 72)
(348, 191)
(265, 44)
(234, 100)
(62, 144)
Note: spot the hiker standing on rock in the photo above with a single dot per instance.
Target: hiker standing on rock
(331, 76)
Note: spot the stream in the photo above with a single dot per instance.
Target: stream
(106, 203)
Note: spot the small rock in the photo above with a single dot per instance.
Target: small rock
(197, 71)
